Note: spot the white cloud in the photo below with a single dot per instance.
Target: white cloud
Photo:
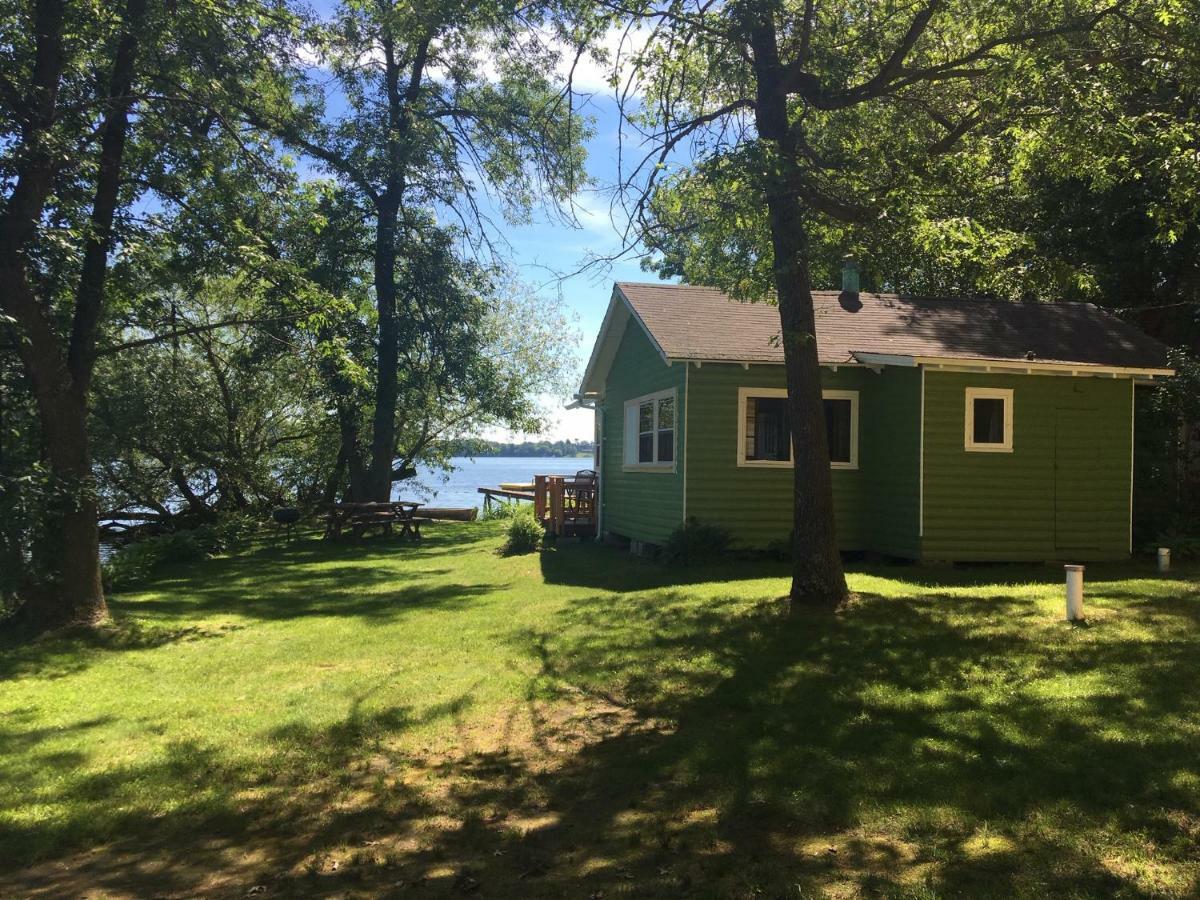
(588, 74)
(561, 425)
(595, 77)
(597, 217)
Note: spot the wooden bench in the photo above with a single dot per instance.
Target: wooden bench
(381, 519)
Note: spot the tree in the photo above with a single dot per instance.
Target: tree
(476, 347)
(815, 115)
(59, 365)
(216, 420)
(424, 129)
(95, 104)
(254, 390)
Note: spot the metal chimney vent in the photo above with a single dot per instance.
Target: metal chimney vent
(849, 277)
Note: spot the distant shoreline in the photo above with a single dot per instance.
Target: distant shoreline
(521, 456)
(480, 449)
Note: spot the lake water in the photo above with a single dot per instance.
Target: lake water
(457, 487)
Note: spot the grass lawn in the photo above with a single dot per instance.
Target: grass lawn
(388, 719)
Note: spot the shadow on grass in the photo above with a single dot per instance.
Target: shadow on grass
(65, 652)
(367, 595)
(611, 568)
(275, 581)
(958, 746)
(895, 739)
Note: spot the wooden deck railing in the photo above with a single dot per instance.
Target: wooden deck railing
(566, 505)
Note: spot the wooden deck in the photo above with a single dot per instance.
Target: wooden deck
(564, 504)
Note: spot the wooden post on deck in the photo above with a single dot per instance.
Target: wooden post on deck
(557, 516)
(539, 497)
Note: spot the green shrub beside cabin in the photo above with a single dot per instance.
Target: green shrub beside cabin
(958, 429)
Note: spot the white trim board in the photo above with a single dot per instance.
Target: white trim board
(1016, 367)
(921, 465)
(971, 394)
(630, 440)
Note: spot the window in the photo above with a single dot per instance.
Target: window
(764, 438)
(768, 437)
(841, 428)
(650, 432)
(989, 420)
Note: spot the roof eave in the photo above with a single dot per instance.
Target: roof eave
(1028, 367)
(1033, 367)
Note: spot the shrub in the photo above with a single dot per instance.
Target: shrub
(130, 564)
(1182, 544)
(134, 562)
(501, 511)
(524, 533)
(232, 531)
(779, 548)
(696, 542)
(181, 546)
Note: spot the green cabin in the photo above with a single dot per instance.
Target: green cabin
(958, 429)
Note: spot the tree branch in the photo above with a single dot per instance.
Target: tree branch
(197, 329)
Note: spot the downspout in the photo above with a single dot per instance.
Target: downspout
(599, 411)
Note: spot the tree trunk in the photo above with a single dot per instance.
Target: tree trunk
(336, 479)
(383, 427)
(196, 504)
(71, 538)
(817, 576)
(387, 206)
(350, 473)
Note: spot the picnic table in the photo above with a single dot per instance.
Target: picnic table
(358, 517)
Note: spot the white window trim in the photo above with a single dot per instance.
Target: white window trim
(635, 403)
(852, 396)
(745, 393)
(981, 393)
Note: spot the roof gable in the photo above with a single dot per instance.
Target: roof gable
(617, 319)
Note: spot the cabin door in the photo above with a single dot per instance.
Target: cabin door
(1076, 455)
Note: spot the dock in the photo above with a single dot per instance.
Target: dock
(495, 494)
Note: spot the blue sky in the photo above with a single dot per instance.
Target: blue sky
(544, 250)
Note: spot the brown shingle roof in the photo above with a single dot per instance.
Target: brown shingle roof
(702, 323)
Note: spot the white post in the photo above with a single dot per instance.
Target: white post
(1164, 560)
(1074, 593)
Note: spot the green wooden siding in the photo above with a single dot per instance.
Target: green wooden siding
(1063, 491)
(890, 455)
(643, 506)
(875, 505)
